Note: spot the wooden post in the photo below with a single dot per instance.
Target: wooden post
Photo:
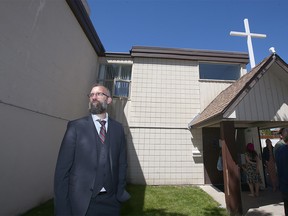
(231, 170)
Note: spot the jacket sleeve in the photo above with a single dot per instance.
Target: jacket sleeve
(122, 194)
(62, 172)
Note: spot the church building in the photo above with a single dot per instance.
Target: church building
(178, 106)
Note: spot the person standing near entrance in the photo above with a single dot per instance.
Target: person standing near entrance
(252, 170)
(90, 174)
(281, 157)
(283, 132)
(269, 163)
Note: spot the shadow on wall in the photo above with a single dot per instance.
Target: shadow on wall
(134, 173)
(195, 140)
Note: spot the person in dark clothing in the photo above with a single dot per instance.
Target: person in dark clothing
(90, 175)
(269, 163)
(281, 157)
(283, 132)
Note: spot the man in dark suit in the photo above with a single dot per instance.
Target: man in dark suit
(281, 156)
(90, 175)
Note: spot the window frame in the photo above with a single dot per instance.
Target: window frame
(116, 79)
(239, 71)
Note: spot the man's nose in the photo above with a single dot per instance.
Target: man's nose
(93, 98)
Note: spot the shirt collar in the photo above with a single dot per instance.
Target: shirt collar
(96, 118)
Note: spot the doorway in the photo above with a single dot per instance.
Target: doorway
(211, 151)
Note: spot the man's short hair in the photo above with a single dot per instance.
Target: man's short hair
(101, 85)
(285, 139)
(283, 132)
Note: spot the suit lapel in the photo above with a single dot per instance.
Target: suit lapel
(91, 129)
(93, 136)
(110, 140)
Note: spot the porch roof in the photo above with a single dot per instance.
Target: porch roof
(222, 107)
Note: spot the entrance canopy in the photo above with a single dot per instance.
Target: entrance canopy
(259, 98)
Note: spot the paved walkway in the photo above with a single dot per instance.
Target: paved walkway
(267, 204)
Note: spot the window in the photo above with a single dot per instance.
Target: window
(117, 77)
(219, 71)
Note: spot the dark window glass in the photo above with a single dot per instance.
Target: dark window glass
(219, 71)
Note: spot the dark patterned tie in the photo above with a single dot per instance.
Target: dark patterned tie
(102, 130)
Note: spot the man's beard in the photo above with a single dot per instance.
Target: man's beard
(96, 107)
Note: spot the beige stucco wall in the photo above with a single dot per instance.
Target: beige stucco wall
(164, 97)
(46, 68)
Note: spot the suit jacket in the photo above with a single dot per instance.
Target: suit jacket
(77, 161)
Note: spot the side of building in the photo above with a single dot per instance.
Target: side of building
(166, 89)
(47, 65)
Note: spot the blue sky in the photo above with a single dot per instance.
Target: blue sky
(191, 24)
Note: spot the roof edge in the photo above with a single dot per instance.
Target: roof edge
(189, 54)
(84, 20)
(210, 121)
(117, 54)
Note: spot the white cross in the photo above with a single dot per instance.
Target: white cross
(249, 40)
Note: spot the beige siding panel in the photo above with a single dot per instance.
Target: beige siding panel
(164, 96)
(264, 103)
(259, 97)
(275, 95)
(164, 93)
(263, 89)
(162, 156)
(209, 90)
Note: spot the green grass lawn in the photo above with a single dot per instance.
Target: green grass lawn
(157, 201)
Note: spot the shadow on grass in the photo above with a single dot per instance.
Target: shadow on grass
(215, 211)
(45, 209)
(163, 212)
(135, 206)
(154, 212)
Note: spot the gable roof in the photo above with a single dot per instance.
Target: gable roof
(232, 95)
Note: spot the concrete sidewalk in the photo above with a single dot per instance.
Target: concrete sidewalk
(267, 204)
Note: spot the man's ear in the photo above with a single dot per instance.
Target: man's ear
(109, 100)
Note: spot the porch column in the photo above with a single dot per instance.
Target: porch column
(231, 171)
